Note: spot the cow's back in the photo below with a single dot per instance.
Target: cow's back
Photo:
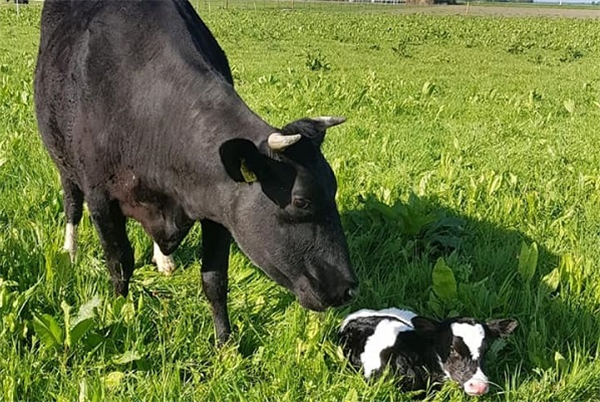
(114, 76)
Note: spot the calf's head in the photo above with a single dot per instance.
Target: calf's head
(283, 214)
(461, 344)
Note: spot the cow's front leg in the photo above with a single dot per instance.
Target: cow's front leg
(215, 262)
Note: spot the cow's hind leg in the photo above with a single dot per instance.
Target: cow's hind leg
(111, 226)
(215, 262)
(73, 205)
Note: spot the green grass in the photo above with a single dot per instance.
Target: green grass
(468, 139)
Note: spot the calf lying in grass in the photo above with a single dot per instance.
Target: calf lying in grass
(420, 350)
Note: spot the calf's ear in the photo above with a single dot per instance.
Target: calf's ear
(242, 160)
(502, 327)
(425, 325)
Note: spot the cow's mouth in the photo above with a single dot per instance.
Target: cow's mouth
(310, 292)
(309, 300)
(307, 297)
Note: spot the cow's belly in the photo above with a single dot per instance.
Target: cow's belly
(161, 216)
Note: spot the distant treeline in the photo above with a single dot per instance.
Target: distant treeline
(427, 1)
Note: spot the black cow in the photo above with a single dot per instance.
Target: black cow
(136, 105)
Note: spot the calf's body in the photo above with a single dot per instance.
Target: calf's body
(421, 351)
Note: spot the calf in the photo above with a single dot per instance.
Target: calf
(421, 350)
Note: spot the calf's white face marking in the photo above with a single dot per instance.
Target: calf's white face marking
(472, 336)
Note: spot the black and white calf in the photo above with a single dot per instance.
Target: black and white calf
(421, 350)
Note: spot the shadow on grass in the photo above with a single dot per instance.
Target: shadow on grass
(394, 249)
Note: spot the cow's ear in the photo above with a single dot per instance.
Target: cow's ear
(241, 159)
(424, 325)
(501, 328)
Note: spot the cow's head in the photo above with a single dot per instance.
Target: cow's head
(461, 344)
(284, 216)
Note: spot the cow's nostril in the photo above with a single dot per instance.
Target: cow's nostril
(351, 294)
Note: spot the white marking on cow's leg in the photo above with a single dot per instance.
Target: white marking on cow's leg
(164, 263)
(71, 241)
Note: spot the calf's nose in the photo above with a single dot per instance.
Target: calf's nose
(475, 387)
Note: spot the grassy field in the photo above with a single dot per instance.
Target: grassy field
(470, 142)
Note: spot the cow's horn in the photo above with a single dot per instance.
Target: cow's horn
(330, 121)
(279, 142)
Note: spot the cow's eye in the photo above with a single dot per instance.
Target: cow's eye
(301, 203)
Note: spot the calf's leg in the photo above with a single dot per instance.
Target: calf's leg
(215, 262)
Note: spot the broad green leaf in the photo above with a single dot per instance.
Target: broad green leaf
(93, 340)
(128, 312)
(560, 361)
(528, 261)
(5, 297)
(80, 329)
(113, 379)
(83, 391)
(48, 330)
(552, 280)
(444, 283)
(67, 321)
(127, 357)
(569, 105)
(117, 306)
(87, 310)
(567, 263)
(434, 305)
(428, 88)
(533, 259)
(495, 185)
(523, 257)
